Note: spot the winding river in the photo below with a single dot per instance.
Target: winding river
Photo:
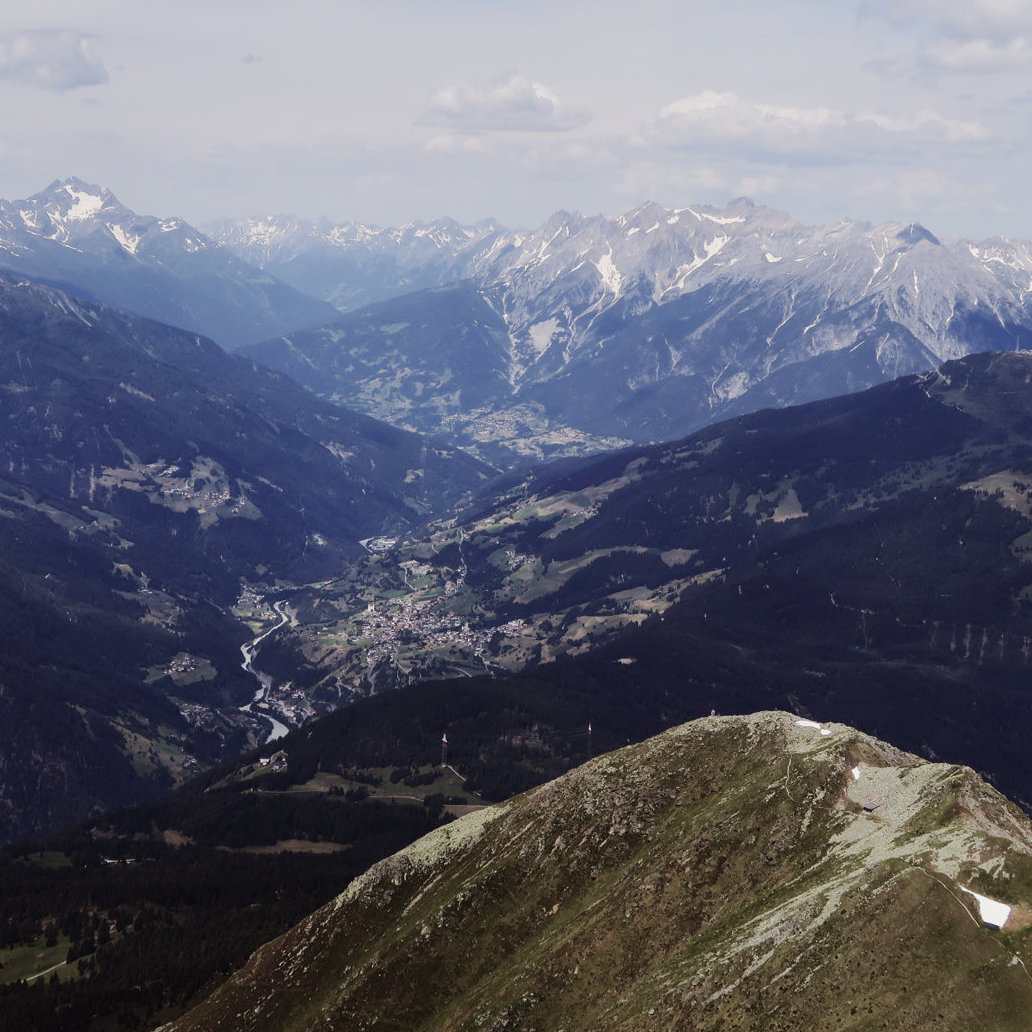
(249, 650)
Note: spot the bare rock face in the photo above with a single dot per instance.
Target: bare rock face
(591, 331)
(759, 872)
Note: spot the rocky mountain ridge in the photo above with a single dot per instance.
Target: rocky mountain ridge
(640, 327)
(763, 872)
(81, 238)
(352, 264)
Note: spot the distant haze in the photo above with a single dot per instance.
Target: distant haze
(396, 110)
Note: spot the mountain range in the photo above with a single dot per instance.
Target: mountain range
(130, 440)
(589, 331)
(576, 337)
(195, 548)
(82, 239)
(352, 265)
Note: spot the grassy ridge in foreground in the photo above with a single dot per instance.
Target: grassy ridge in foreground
(730, 873)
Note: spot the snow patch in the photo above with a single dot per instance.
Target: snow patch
(711, 247)
(127, 240)
(991, 911)
(772, 258)
(86, 204)
(611, 278)
(541, 334)
(813, 724)
(547, 243)
(721, 220)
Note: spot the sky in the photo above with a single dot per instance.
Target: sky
(389, 111)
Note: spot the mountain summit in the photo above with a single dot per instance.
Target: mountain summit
(80, 238)
(761, 872)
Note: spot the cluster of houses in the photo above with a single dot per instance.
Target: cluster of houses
(425, 625)
(183, 663)
(275, 762)
(289, 703)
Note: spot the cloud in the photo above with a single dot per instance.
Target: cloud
(969, 36)
(926, 126)
(729, 123)
(50, 59)
(962, 19)
(978, 55)
(455, 143)
(725, 116)
(921, 190)
(510, 104)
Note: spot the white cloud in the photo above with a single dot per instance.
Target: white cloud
(512, 103)
(727, 121)
(455, 143)
(969, 36)
(926, 125)
(775, 102)
(725, 116)
(665, 180)
(50, 59)
(978, 55)
(995, 19)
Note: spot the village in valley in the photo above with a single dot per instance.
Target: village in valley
(461, 599)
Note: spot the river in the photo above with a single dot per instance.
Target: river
(248, 650)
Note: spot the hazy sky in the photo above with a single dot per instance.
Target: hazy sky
(391, 110)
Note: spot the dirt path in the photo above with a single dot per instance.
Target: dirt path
(40, 974)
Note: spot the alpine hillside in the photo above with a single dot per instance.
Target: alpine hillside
(764, 872)
(865, 556)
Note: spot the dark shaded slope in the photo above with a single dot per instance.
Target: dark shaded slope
(144, 474)
(419, 361)
(864, 557)
(96, 401)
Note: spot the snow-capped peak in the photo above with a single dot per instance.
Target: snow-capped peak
(84, 204)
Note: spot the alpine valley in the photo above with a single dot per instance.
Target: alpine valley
(145, 476)
(267, 624)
